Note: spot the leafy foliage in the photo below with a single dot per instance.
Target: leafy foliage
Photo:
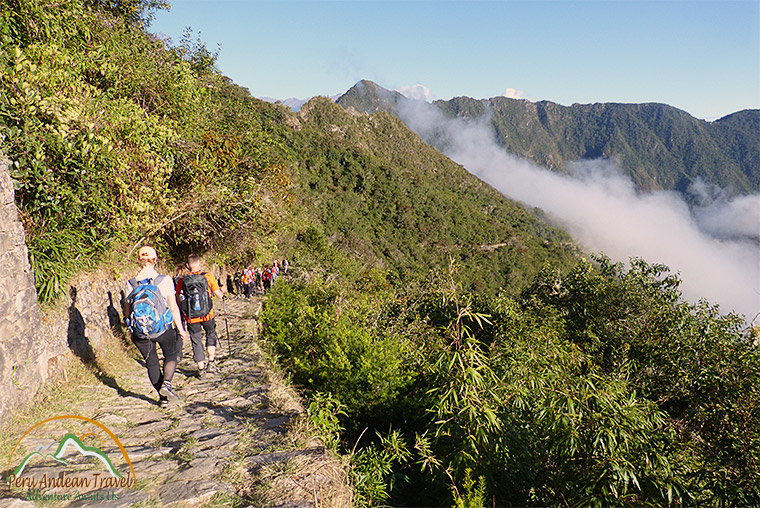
(113, 139)
(694, 363)
(328, 344)
(474, 496)
(596, 387)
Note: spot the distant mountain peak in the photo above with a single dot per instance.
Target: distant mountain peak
(369, 97)
(294, 103)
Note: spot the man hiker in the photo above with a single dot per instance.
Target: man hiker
(153, 318)
(266, 277)
(238, 280)
(197, 288)
(257, 287)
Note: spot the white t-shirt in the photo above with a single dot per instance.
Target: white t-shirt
(165, 287)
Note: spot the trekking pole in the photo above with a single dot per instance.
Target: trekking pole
(227, 326)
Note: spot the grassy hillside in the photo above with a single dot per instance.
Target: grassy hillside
(659, 146)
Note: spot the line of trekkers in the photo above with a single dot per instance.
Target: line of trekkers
(252, 281)
(165, 311)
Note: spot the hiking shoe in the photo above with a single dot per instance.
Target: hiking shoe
(201, 372)
(163, 401)
(171, 397)
(211, 368)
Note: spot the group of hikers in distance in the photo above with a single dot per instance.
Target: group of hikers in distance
(256, 281)
(163, 310)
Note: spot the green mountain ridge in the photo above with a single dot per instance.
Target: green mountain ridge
(658, 146)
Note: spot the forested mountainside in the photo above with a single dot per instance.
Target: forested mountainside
(383, 195)
(659, 146)
(449, 342)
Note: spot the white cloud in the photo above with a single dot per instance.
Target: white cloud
(511, 93)
(724, 216)
(713, 246)
(416, 92)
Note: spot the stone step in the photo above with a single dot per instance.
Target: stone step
(227, 422)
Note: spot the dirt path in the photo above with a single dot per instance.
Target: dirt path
(237, 439)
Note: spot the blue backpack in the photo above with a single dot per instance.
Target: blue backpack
(150, 316)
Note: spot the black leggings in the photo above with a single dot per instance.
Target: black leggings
(168, 342)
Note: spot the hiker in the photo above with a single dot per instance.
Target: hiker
(257, 281)
(179, 271)
(253, 281)
(246, 278)
(238, 280)
(151, 310)
(266, 277)
(197, 287)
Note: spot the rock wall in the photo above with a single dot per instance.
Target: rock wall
(37, 345)
(25, 346)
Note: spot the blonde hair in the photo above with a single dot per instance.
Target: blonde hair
(147, 255)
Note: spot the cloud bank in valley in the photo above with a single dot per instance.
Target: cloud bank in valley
(714, 246)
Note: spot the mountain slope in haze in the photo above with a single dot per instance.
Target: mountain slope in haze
(385, 195)
(659, 146)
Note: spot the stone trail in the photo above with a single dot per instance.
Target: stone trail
(234, 440)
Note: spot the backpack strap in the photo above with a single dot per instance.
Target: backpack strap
(133, 282)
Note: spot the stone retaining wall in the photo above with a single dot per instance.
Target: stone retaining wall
(25, 344)
(37, 345)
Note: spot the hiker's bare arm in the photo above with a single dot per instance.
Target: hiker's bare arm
(219, 293)
(177, 317)
(127, 305)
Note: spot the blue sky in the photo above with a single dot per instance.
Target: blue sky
(701, 56)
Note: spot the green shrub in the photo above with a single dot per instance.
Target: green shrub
(324, 412)
(328, 346)
(114, 140)
(690, 361)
